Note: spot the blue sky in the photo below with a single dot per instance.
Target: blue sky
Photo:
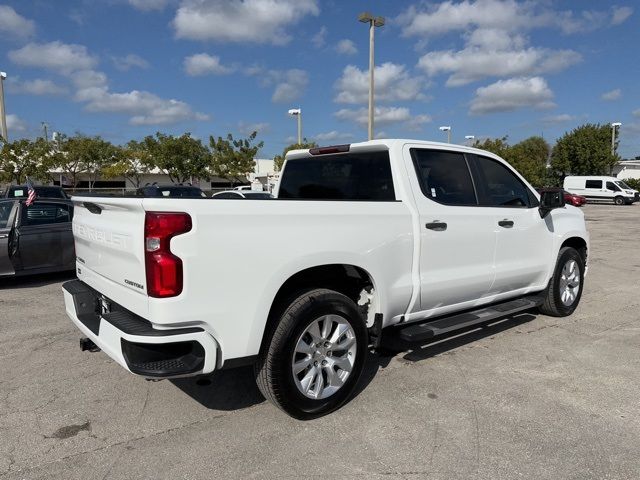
(127, 68)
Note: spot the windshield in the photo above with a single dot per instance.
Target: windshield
(5, 211)
(620, 183)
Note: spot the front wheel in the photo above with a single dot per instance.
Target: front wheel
(311, 361)
(619, 200)
(565, 288)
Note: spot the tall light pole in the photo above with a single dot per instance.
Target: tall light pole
(3, 113)
(297, 112)
(470, 137)
(614, 125)
(447, 128)
(373, 22)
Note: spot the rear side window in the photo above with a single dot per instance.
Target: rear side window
(444, 176)
(351, 176)
(593, 184)
(45, 214)
(500, 186)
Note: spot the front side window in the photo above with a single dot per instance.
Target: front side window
(500, 187)
(444, 176)
(593, 184)
(613, 187)
(347, 176)
(45, 214)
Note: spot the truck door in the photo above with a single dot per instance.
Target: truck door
(524, 241)
(457, 236)
(7, 213)
(40, 234)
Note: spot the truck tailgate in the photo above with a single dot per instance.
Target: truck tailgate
(109, 240)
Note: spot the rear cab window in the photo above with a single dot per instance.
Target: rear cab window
(362, 176)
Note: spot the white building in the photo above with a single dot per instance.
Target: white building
(627, 169)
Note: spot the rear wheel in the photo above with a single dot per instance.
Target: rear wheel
(565, 288)
(312, 360)
(619, 200)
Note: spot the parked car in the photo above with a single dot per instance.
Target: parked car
(239, 194)
(364, 244)
(570, 198)
(183, 191)
(36, 238)
(602, 189)
(42, 191)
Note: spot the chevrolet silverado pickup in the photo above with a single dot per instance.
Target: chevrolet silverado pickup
(397, 239)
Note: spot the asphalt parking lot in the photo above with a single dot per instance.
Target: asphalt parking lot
(530, 397)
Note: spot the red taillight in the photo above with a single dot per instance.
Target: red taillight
(164, 269)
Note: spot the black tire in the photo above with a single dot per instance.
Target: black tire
(619, 200)
(273, 369)
(553, 304)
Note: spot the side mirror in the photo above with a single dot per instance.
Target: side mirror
(550, 200)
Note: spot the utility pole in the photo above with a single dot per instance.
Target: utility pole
(44, 128)
(373, 22)
(614, 125)
(3, 113)
(297, 112)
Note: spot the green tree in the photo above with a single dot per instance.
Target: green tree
(181, 158)
(585, 150)
(233, 157)
(132, 162)
(278, 160)
(499, 146)
(24, 158)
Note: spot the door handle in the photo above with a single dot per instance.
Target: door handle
(506, 223)
(437, 226)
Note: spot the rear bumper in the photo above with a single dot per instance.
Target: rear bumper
(134, 343)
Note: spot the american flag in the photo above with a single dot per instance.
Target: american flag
(31, 193)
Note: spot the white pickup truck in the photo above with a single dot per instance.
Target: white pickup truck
(397, 239)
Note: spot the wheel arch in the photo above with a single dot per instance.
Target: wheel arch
(347, 279)
(579, 244)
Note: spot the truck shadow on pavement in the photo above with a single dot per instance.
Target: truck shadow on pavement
(37, 280)
(235, 389)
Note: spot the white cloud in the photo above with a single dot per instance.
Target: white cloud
(288, 85)
(147, 5)
(15, 124)
(475, 63)
(561, 118)
(392, 83)
(612, 95)
(512, 94)
(620, 14)
(14, 24)
(320, 38)
(36, 86)
(332, 135)
(257, 21)
(431, 20)
(383, 116)
(129, 61)
(346, 47)
(61, 57)
(145, 108)
(249, 128)
(205, 64)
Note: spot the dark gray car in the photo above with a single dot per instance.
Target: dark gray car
(37, 238)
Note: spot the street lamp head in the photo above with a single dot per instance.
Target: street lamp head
(445, 128)
(3, 75)
(295, 111)
(365, 17)
(469, 137)
(378, 22)
(616, 124)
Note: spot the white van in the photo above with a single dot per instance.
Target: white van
(602, 189)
